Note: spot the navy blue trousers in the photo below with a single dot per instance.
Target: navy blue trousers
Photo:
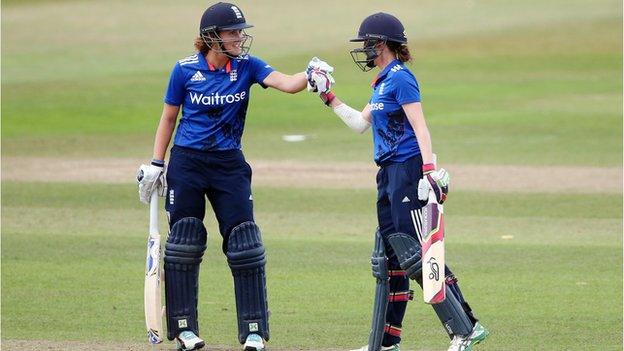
(224, 177)
(397, 197)
(397, 206)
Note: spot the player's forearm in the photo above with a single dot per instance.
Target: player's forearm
(351, 117)
(416, 118)
(335, 102)
(287, 83)
(295, 83)
(424, 143)
(422, 137)
(163, 137)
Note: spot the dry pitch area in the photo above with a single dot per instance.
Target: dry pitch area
(525, 179)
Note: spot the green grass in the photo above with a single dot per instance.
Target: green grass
(502, 89)
(67, 245)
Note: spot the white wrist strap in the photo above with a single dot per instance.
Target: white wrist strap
(352, 118)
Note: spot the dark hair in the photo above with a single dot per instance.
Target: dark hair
(400, 50)
(201, 46)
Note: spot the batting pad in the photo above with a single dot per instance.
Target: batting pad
(379, 263)
(185, 247)
(245, 255)
(452, 315)
(408, 252)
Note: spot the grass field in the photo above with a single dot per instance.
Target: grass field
(532, 83)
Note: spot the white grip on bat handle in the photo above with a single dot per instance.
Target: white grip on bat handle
(153, 223)
(432, 198)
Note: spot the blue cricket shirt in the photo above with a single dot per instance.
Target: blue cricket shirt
(393, 136)
(214, 101)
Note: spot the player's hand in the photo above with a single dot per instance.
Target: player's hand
(320, 65)
(320, 82)
(434, 180)
(151, 178)
(319, 73)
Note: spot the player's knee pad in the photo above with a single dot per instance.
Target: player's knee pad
(407, 250)
(246, 257)
(379, 263)
(185, 247)
(453, 315)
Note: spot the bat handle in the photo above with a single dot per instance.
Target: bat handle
(153, 223)
(432, 198)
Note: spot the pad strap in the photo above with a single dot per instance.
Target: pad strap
(401, 296)
(392, 330)
(397, 273)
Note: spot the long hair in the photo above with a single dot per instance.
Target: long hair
(400, 50)
(201, 46)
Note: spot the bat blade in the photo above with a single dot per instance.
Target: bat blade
(152, 297)
(433, 276)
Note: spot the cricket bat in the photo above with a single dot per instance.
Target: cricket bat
(153, 304)
(433, 274)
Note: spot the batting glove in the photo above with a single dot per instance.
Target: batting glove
(320, 65)
(151, 178)
(320, 82)
(315, 66)
(434, 180)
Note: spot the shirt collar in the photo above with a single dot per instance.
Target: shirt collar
(229, 66)
(385, 71)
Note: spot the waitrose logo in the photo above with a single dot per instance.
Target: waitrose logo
(216, 99)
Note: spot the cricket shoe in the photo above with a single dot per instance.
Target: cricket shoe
(187, 340)
(394, 347)
(254, 342)
(466, 342)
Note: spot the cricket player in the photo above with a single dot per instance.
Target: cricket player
(212, 89)
(407, 172)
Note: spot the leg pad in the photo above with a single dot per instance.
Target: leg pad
(245, 255)
(451, 311)
(185, 247)
(408, 252)
(379, 263)
(452, 315)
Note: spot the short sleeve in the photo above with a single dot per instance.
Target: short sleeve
(406, 88)
(175, 90)
(260, 70)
